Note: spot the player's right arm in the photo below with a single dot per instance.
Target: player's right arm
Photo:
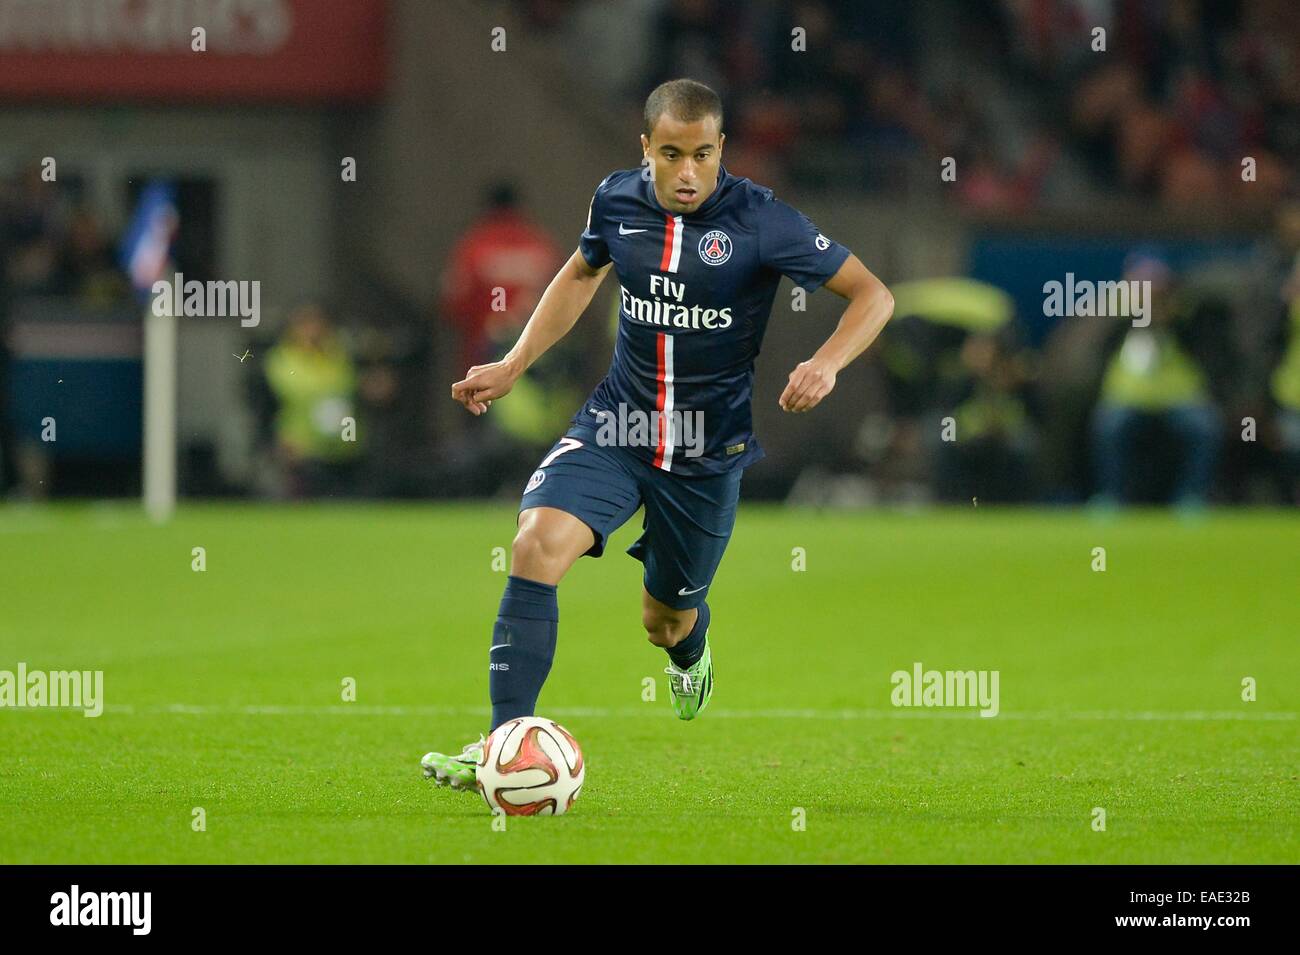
(564, 300)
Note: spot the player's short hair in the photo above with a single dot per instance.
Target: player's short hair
(685, 100)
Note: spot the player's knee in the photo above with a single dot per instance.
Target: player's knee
(532, 556)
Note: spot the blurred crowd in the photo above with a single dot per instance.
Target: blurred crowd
(1198, 403)
(1036, 108)
(53, 243)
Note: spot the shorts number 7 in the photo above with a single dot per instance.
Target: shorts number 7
(566, 444)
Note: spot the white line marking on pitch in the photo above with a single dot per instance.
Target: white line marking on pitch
(808, 714)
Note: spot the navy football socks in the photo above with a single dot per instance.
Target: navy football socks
(523, 646)
(687, 653)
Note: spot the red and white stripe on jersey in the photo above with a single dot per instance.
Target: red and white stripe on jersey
(672, 244)
(665, 441)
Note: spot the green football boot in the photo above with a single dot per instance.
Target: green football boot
(691, 688)
(456, 771)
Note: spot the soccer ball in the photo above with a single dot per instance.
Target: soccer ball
(530, 766)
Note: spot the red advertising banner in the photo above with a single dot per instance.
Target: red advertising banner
(256, 50)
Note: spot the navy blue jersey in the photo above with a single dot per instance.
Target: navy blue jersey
(696, 291)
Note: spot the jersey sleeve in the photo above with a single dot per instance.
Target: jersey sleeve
(592, 241)
(789, 243)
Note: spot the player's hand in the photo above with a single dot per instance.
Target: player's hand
(810, 382)
(483, 384)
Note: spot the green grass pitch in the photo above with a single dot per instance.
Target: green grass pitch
(1119, 689)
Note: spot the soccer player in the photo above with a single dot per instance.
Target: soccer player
(699, 254)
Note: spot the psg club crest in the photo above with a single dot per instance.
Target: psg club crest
(715, 247)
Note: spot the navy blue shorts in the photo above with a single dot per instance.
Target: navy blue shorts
(688, 520)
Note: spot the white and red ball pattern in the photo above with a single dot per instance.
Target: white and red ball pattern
(530, 767)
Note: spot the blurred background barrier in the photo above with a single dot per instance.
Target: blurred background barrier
(402, 179)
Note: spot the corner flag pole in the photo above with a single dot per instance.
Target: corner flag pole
(146, 258)
(160, 412)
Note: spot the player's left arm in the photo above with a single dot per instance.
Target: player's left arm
(870, 306)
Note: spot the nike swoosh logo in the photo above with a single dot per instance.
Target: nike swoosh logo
(686, 593)
(622, 230)
(497, 647)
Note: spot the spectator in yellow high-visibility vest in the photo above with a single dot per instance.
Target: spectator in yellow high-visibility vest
(1152, 379)
(314, 383)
